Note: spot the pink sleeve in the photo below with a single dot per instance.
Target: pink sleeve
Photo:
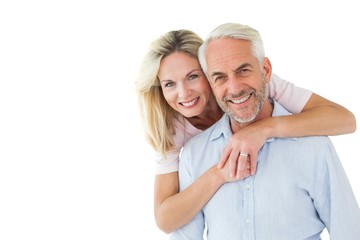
(168, 163)
(289, 96)
(183, 132)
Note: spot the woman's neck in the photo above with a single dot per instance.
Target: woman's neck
(210, 115)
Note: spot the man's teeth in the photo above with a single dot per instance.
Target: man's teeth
(241, 100)
(187, 104)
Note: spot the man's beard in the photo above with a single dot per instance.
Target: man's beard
(260, 97)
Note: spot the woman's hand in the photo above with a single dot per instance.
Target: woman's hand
(242, 151)
(227, 175)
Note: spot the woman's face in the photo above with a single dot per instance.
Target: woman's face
(184, 84)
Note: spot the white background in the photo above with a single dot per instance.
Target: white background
(73, 160)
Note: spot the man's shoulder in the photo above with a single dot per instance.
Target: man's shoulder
(315, 139)
(311, 146)
(309, 141)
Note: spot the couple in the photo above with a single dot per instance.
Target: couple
(299, 186)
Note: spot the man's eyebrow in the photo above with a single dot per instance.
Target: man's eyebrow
(242, 66)
(214, 74)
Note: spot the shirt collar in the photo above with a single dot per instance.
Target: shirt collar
(222, 127)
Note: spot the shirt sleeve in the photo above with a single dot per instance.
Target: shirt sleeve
(335, 201)
(292, 98)
(170, 161)
(194, 230)
(167, 163)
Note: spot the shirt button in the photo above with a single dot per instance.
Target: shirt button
(247, 186)
(247, 220)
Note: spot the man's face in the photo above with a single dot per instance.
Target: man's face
(237, 78)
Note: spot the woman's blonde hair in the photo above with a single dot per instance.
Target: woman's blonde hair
(156, 114)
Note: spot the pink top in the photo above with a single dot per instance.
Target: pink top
(289, 96)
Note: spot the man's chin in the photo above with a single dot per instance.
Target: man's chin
(242, 117)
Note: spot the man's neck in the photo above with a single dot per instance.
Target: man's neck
(265, 112)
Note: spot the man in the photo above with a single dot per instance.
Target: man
(299, 188)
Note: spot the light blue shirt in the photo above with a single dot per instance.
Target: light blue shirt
(299, 189)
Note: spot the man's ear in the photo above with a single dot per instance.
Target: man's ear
(267, 69)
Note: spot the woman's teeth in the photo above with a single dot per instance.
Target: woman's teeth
(188, 104)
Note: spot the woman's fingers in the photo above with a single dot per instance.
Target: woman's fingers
(239, 165)
(243, 166)
(253, 163)
(224, 157)
(239, 159)
(233, 163)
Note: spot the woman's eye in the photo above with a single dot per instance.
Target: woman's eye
(193, 76)
(169, 84)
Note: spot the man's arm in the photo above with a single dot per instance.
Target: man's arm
(335, 201)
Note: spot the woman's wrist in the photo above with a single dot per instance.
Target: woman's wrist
(267, 127)
(217, 175)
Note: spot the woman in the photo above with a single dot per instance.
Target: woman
(176, 103)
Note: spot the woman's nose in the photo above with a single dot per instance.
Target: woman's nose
(183, 91)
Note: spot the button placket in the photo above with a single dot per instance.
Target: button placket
(248, 208)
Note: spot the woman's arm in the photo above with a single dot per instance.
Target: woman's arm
(318, 117)
(174, 209)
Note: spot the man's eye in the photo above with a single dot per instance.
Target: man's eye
(218, 78)
(244, 71)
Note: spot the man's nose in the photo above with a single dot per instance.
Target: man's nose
(234, 83)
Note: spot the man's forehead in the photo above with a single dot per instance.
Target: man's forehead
(228, 54)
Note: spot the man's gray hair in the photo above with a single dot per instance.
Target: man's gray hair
(234, 31)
